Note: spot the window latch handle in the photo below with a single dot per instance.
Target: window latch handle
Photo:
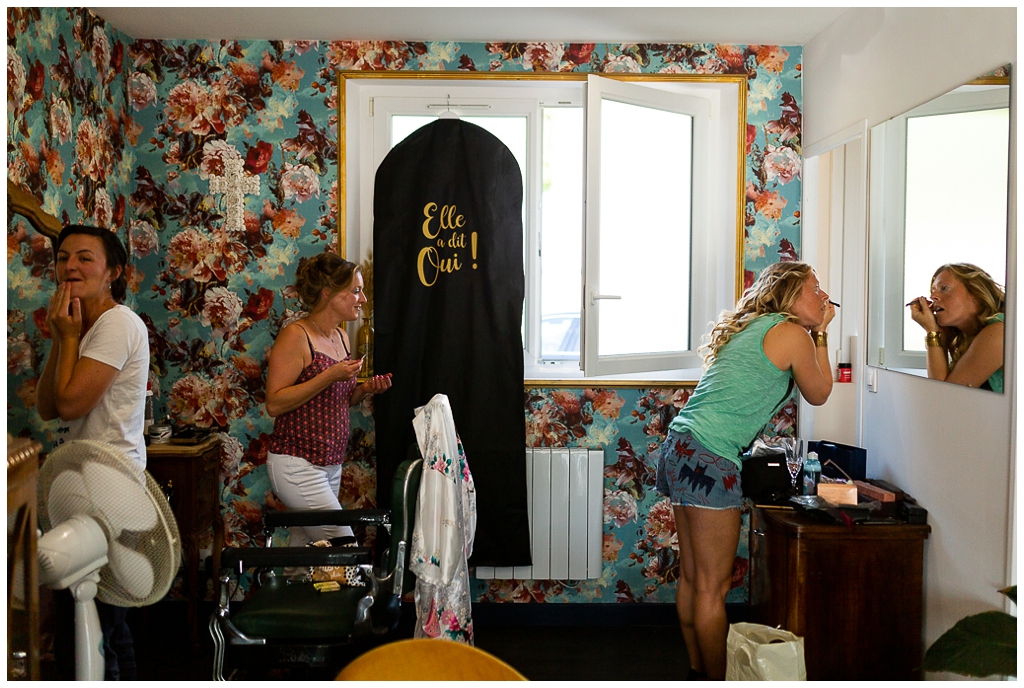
(594, 296)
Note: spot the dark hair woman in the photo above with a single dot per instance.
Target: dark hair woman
(95, 376)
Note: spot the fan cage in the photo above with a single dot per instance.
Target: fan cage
(158, 548)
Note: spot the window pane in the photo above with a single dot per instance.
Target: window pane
(956, 200)
(562, 233)
(646, 164)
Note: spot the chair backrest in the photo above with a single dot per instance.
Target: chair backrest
(428, 659)
(404, 493)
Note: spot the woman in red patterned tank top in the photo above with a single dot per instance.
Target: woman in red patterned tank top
(311, 382)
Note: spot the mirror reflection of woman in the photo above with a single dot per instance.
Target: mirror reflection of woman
(963, 320)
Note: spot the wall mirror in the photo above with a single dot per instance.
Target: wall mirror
(938, 195)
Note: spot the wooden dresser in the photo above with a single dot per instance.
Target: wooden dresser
(189, 474)
(855, 594)
(22, 560)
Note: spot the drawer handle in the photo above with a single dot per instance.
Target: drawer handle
(758, 532)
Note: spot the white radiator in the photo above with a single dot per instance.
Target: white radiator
(565, 498)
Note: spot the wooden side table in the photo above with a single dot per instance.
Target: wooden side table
(190, 474)
(855, 594)
(22, 560)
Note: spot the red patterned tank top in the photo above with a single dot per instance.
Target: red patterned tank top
(318, 431)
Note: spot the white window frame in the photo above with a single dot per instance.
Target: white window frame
(600, 89)
(716, 255)
(888, 218)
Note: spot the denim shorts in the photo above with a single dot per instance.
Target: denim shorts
(690, 474)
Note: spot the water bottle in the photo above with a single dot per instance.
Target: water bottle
(812, 473)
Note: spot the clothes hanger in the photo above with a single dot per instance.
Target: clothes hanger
(447, 105)
(448, 114)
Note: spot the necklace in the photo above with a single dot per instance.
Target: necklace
(337, 354)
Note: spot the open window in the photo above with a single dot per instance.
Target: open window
(632, 189)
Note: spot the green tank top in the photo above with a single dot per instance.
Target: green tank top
(738, 394)
(995, 381)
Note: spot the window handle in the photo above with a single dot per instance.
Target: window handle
(594, 296)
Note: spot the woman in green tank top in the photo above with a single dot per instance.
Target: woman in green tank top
(775, 335)
(964, 324)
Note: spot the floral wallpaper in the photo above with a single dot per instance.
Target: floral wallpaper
(127, 134)
(69, 141)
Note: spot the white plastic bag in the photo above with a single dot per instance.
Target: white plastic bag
(763, 653)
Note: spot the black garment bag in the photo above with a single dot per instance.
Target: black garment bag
(448, 277)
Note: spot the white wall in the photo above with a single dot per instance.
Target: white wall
(951, 447)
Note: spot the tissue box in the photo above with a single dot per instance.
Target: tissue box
(838, 493)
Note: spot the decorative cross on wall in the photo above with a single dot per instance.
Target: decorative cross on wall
(235, 184)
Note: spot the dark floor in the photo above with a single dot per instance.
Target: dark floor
(589, 653)
(601, 650)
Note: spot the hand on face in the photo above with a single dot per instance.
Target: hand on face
(830, 313)
(921, 313)
(812, 308)
(64, 316)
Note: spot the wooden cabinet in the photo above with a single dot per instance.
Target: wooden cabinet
(855, 594)
(22, 560)
(189, 475)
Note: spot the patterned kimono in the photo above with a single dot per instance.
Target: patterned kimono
(442, 538)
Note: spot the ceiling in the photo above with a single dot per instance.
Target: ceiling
(740, 25)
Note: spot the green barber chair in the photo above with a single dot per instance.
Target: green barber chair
(287, 623)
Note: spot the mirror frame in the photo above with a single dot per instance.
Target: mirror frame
(22, 203)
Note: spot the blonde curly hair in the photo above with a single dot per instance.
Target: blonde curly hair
(985, 290)
(775, 290)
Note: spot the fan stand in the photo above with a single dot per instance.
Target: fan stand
(88, 635)
(89, 495)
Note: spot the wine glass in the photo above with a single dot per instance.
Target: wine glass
(795, 451)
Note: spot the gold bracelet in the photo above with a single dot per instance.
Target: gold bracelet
(820, 339)
(933, 339)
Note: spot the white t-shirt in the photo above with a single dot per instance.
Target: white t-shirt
(119, 339)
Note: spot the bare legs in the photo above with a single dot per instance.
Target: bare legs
(685, 590)
(707, 550)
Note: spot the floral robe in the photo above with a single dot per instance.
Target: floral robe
(442, 538)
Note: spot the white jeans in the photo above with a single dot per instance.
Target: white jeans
(301, 485)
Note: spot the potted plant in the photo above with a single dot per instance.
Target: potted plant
(980, 645)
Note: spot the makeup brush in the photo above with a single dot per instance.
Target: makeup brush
(837, 305)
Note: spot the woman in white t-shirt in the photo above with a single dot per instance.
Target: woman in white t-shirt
(95, 377)
(94, 380)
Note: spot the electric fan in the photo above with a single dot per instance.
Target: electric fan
(109, 533)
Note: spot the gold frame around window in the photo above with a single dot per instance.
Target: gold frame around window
(741, 134)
